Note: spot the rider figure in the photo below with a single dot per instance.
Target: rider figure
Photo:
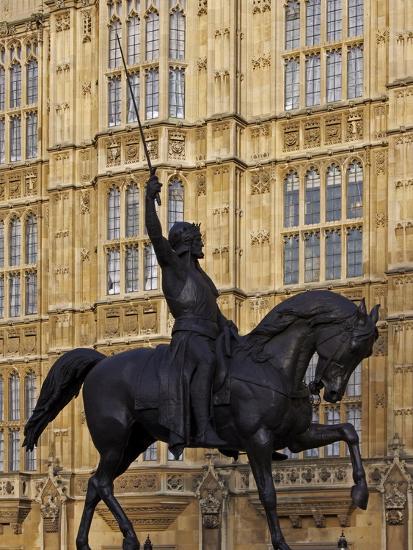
(192, 299)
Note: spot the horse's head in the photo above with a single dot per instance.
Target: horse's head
(341, 346)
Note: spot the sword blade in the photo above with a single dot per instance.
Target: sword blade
(145, 147)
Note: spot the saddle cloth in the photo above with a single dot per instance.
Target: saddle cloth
(152, 391)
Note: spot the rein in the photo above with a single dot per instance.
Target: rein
(314, 386)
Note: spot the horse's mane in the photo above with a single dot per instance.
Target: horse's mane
(317, 306)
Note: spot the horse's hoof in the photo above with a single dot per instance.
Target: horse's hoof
(82, 546)
(360, 496)
(131, 544)
(282, 546)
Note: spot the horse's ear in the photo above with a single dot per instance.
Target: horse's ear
(362, 311)
(374, 313)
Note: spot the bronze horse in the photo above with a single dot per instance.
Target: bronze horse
(269, 405)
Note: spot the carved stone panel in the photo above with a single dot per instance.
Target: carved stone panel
(312, 135)
(355, 126)
(132, 149)
(113, 156)
(291, 137)
(176, 148)
(333, 130)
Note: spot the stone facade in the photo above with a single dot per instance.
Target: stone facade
(232, 153)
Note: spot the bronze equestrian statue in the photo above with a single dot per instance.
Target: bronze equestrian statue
(260, 403)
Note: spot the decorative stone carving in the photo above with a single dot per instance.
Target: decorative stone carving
(51, 493)
(382, 36)
(261, 61)
(86, 88)
(380, 400)
(176, 149)
(333, 130)
(201, 184)
(132, 149)
(202, 64)
(50, 511)
(85, 255)
(381, 344)
(175, 483)
(112, 322)
(381, 219)
(202, 7)
(113, 156)
(312, 134)
(355, 128)
(30, 180)
(211, 494)
(85, 202)
(395, 501)
(140, 483)
(262, 236)
(86, 26)
(319, 520)
(261, 6)
(63, 22)
(15, 186)
(381, 157)
(291, 137)
(152, 144)
(260, 182)
(4, 29)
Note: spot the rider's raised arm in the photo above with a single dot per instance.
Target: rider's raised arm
(163, 250)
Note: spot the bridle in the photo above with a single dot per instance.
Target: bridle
(346, 332)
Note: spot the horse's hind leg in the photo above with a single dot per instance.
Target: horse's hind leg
(139, 441)
(319, 435)
(91, 501)
(103, 481)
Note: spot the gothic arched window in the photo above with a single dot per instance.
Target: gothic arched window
(355, 190)
(333, 193)
(151, 268)
(175, 202)
(152, 36)
(115, 57)
(15, 85)
(134, 39)
(113, 214)
(177, 35)
(31, 239)
(15, 242)
(132, 211)
(32, 82)
(291, 200)
(14, 397)
(292, 25)
(29, 394)
(312, 197)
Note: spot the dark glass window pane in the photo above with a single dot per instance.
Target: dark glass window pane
(291, 258)
(333, 255)
(291, 200)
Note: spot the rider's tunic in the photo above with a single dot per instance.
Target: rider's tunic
(193, 345)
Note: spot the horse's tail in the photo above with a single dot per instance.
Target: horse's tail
(62, 383)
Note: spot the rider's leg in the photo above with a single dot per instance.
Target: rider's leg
(201, 388)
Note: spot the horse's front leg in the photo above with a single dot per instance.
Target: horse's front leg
(319, 435)
(259, 450)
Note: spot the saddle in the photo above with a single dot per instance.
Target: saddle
(237, 363)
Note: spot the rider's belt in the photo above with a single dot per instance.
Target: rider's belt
(198, 325)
